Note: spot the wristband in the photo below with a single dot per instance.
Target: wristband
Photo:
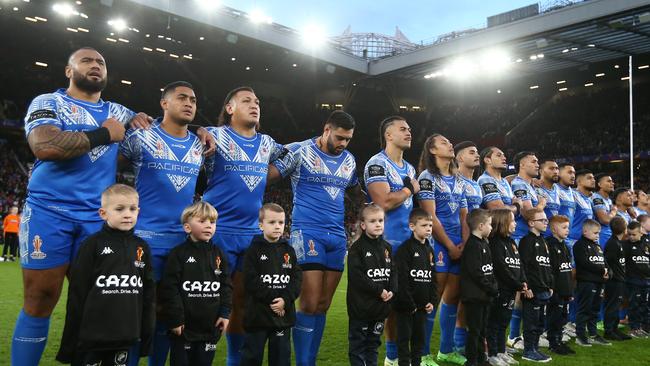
(100, 136)
(408, 185)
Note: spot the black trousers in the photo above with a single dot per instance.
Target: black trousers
(476, 317)
(533, 315)
(364, 338)
(588, 294)
(410, 337)
(557, 315)
(184, 353)
(104, 358)
(252, 353)
(614, 292)
(498, 319)
(11, 244)
(639, 308)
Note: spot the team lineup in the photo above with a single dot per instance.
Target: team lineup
(154, 274)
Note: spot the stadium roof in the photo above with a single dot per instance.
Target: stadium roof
(580, 34)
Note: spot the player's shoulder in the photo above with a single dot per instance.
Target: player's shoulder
(298, 145)
(46, 99)
(426, 174)
(215, 130)
(377, 159)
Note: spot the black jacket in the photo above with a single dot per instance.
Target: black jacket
(416, 281)
(536, 262)
(111, 296)
(562, 268)
(370, 271)
(507, 265)
(477, 281)
(270, 271)
(637, 260)
(590, 261)
(195, 290)
(615, 258)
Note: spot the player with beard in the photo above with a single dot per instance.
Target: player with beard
(391, 184)
(604, 210)
(550, 175)
(496, 189)
(585, 185)
(567, 178)
(73, 133)
(322, 174)
(442, 195)
(527, 167)
(467, 159)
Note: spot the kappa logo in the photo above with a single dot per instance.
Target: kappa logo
(416, 254)
(38, 244)
(107, 250)
(263, 257)
(368, 254)
(190, 260)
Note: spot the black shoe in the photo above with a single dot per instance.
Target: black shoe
(557, 348)
(612, 336)
(568, 349)
(622, 336)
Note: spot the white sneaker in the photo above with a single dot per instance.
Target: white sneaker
(389, 362)
(571, 327)
(565, 338)
(496, 361)
(516, 343)
(507, 359)
(543, 341)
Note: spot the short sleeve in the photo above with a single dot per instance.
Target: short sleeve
(427, 187)
(354, 179)
(598, 204)
(463, 198)
(282, 158)
(375, 171)
(121, 113)
(131, 147)
(43, 110)
(520, 191)
(490, 190)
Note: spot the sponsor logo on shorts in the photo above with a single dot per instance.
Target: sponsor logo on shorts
(441, 260)
(138, 258)
(312, 252)
(286, 259)
(38, 244)
(217, 271)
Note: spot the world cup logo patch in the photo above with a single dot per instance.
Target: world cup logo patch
(441, 260)
(217, 263)
(38, 244)
(138, 258)
(312, 251)
(286, 259)
(386, 255)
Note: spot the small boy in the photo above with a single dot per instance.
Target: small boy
(272, 280)
(372, 281)
(416, 284)
(615, 286)
(111, 296)
(478, 286)
(637, 278)
(591, 273)
(536, 263)
(195, 290)
(557, 310)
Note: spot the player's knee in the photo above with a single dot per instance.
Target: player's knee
(323, 305)
(40, 302)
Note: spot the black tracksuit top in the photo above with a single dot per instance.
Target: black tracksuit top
(270, 271)
(615, 258)
(416, 281)
(562, 268)
(195, 290)
(507, 265)
(371, 270)
(637, 260)
(536, 262)
(111, 296)
(590, 261)
(477, 281)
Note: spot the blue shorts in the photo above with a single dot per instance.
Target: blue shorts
(570, 243)
(444, 263)
(323, 248)
(161, 245)
(48, 240)
(233, 246)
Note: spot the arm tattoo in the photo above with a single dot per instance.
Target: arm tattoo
(50, 143)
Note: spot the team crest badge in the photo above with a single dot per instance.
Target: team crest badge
(441, 260)
(286, 263)
(217, 263)
(312, 252)
(159, 149)
(138, 258)
(38, 244)
(387, 255)
(121, 357)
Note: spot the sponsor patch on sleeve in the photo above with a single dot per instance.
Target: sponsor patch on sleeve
(376, 170)
(598, 201)
(41, 114)
(521, 193)
(426, 185)
(489, 188)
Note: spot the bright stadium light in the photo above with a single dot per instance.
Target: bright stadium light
(208, 4)
(460, 69)
(313, 35)
(118, 24)
(64, 9)
(257, 16)
(494, 61)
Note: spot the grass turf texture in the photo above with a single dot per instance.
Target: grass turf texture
(333, 351)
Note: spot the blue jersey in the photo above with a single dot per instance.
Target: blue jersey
(472, 193)
(493, 190)
(584, 210)
(552, 208)
(381, 169)
(448, 195)
(626, 216)
(525, 192)
(72, 188)
(567, 202)
(319, 181)
(601, 203)
(640, 212)
(166, 170)
(237, 177)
